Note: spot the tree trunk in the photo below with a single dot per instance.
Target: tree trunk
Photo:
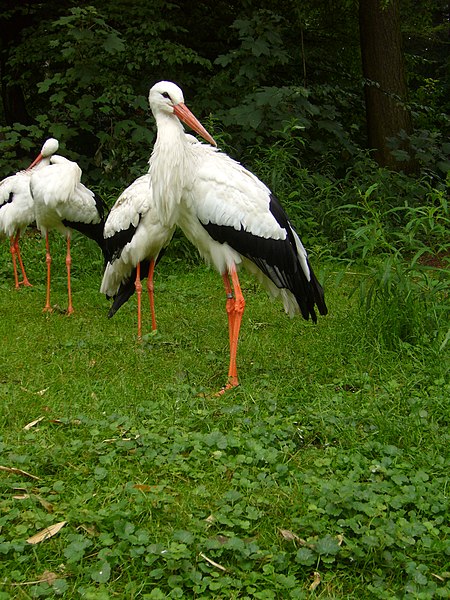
(385, 87)
(12, 22)
(14, 106)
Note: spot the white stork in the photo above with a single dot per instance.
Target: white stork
(62, 202)
(229, 214)
(135, 240)
(17, 206)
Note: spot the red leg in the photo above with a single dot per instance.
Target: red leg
(48, 260)
(13, 249)
(235, 309)
(138, 286)
(230, 302)
(150, 290)
(22, 268)
(69, 283)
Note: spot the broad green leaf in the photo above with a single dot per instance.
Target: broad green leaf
(101, 572)
(327, 545)
(306, 557)
(113, 43)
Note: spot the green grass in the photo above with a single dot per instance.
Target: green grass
(330, 458)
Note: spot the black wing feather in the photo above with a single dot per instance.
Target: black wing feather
(277, 210)
(117, 242)
(93, 231)
(9, 200)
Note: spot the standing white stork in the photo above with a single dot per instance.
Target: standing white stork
(62, 202)
(229, 214)
(135, 240)
(17, 206)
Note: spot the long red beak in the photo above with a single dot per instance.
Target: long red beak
(185, 115)
(37, 160)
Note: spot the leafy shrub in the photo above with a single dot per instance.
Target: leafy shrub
(405, 303)
(93, 91)
(404, 295)
(429, 148)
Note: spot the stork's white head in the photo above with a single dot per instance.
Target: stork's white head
(163, 96)
(50, 147)
(166, 97)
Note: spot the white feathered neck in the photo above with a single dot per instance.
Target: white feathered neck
(171, 166)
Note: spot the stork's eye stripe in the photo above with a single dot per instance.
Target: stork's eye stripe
(165, 95)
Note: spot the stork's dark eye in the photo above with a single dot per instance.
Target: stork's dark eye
(165, 95)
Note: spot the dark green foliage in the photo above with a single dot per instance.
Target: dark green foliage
(94, 91)
(250, 70)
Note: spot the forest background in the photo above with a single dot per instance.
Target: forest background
(332, 81)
